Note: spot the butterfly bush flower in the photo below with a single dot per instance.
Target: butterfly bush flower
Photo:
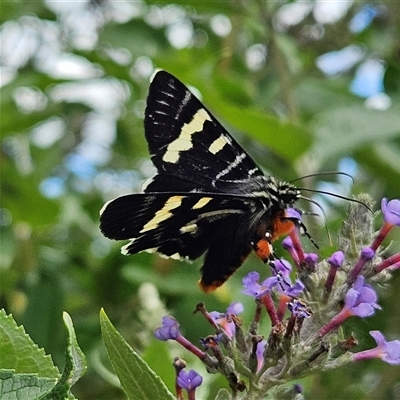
(179, 365)
(335, 261)
(260, 353)
(282, 266)
(386, 351)
(391, 215)
(287, 244)
(360, 301)
(295, 215)
(224, 320)
(311, 260)
(306, 307)
(261, 291)
(170, 331)
(367, 253)
(189, 380)
(283, 286)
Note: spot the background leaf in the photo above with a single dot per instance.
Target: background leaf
(137, 379)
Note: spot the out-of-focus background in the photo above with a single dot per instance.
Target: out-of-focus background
(304, 86)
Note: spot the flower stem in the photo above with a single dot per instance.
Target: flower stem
(383, 232)
(270, 307)
(366, 254)
(191, 347)
(335, 322)
(387, 263)
(297, 246)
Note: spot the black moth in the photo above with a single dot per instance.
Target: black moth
(208, 196)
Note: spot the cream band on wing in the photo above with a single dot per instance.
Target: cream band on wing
(184, 140)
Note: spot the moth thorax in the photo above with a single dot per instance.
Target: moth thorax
(282, 194)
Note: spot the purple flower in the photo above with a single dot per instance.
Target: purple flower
(189, 380)
(282, 266)
(368, 253)
(311, 259)
(168, 330)
(235, 308)
(336, 259)
(294, 214)
(262, 291)
(253, 288)
(260, 353)
(288, 245)
(387, 351)
(391, 211)
(361, 299)
(223, 319)
(299, 309)
(391, 215)
(296, 289)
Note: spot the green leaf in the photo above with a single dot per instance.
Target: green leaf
(75, 365)
(23, 386)
(223, 394)
(343, 130)
(27, 373)
(20, 353)
(76, 361)
(137, 379)
(287, 140)
(158, 357)
(170, 283)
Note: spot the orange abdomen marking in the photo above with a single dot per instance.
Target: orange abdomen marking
(281, 226)
(263, 249)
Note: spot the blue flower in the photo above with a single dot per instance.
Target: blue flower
(387, 351)
(260, 353)
(282, 266)
(336, 259)
(224, 320)
(311, 259)
(361, 299)
(253, 288)
(391, 211)
(299, 309)
(189, 380)
(168, 330)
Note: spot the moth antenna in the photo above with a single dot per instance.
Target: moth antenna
(333, 195)
(322, 174)
(324, 216)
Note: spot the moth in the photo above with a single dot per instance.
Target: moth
(208, 196)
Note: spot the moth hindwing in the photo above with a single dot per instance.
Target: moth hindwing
(208, 196)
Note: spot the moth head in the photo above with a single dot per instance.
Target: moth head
(282, 194)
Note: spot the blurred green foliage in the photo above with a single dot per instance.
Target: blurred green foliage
(74, 84)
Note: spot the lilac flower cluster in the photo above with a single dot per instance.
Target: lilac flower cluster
(306, 314)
